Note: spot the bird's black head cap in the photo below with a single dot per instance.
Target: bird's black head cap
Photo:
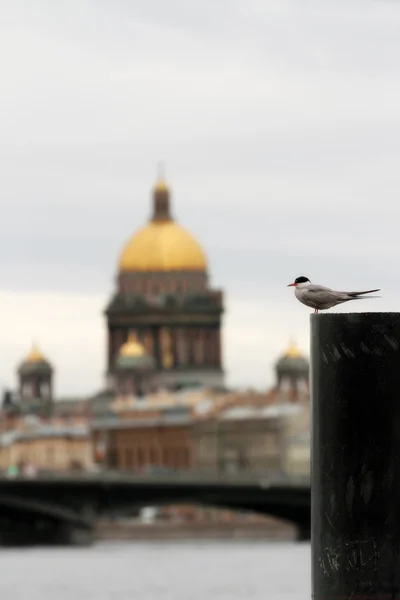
(302, 279)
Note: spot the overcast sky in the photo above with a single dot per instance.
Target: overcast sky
(279, 125)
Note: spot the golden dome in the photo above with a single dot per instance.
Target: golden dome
(132, 347)
(162, 246)
(293, 351)
(35, 355)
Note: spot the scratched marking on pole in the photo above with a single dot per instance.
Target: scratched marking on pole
(347, 351)
(329, 562)
(360, 556)
(393, 343)
(329, 520)
(336, 353)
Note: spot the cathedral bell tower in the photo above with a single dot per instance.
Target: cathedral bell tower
(35, 375)
(292, 373)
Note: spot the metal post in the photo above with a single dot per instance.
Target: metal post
(355, 505)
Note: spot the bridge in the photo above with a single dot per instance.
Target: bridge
(63, 508)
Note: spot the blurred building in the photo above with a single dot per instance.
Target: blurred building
(139, 428)
(151, 432)
(213, 431)
(241, 439)
(163, 405)
(163, 298)
(42, 447)
(292, 371)
(150, 444)
(260, 433)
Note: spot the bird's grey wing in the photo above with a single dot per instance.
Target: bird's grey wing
(318, 295)
(318, 288)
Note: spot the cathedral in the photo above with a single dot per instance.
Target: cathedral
(163, 403)
(164, 304)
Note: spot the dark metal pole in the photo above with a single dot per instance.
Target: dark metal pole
(355, 506)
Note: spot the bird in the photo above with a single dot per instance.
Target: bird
(322, 298)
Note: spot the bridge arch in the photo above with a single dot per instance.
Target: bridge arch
(65, 500)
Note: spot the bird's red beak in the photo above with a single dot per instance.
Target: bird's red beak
(292, 284)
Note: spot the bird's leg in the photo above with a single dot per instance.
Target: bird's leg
(316, 311)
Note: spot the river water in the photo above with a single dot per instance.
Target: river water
(159, 571)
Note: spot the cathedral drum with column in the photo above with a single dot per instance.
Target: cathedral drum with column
(163, 296)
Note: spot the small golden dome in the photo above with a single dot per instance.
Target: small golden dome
(132, 347)
(35, 355)
(293, 351)
(162, 246)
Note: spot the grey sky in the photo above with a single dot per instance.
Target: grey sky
(278, 121)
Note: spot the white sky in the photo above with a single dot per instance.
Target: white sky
(278, 121)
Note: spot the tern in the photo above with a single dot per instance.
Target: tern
(322, 298)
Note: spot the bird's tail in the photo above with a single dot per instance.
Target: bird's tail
(362, 297)
(356, 294)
